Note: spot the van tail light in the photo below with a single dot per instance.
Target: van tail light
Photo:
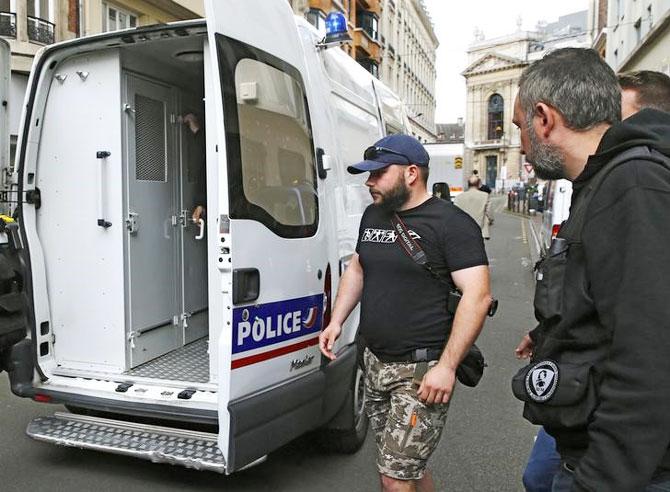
(327, 297)
(554, 230)
(40, 398)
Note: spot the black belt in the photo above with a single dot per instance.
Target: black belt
(418, 355)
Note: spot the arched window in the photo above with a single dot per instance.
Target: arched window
(496, 110)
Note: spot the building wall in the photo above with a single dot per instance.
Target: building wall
(653, 55)
(404, 51)
(408, 60)
(148, 12)
(495, 68)
(638, 36)
(503, 81)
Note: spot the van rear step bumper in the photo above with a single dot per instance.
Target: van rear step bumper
(191, 449)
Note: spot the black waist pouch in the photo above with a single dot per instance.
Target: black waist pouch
(471, 369)
(556, 395)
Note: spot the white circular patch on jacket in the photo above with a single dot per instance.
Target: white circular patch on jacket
(542, 380)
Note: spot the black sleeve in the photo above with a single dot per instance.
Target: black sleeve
(463, 242)
(627, 250)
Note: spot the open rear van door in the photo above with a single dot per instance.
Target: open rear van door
(272, 256)
(5, 165)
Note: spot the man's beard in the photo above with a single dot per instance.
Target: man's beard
(547, 159)
(395, 198)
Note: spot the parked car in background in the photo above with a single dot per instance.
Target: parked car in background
(557, 197)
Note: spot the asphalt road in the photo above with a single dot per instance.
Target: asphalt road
(483, 449)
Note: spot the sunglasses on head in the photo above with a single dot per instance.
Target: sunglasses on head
(372, 152)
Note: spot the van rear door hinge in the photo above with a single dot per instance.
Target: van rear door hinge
(34, 197)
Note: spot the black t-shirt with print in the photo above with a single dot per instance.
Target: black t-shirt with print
(403, 307)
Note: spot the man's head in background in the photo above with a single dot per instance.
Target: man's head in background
(644, 89)
(474, 182)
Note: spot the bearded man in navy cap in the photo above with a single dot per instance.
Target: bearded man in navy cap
(414, 344)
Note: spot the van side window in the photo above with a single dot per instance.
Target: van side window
(276, 150)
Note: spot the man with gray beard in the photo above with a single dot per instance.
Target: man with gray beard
(599, 377)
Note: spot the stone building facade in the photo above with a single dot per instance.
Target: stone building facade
(638, 35)
(492, 142)
(395, 41)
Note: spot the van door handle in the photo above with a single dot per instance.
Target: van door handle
(246, 285)
(102, 156)
(201, 234)
(323, 163)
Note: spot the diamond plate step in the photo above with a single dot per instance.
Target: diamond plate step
(191, 449)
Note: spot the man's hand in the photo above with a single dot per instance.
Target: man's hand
(198, 213)
(437, 385)
(327, 339)
(525, 348)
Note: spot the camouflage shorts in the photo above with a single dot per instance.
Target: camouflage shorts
(406, 430)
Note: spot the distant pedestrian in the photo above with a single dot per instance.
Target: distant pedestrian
(482, 186)
(476, 204)
(441, 190)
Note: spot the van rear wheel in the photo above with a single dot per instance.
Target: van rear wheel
(12, 304)
(348, 441)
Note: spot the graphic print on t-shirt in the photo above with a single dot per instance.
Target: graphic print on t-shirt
(383, 235)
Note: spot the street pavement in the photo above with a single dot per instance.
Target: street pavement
(484, 447)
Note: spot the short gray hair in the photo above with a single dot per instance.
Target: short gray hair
(577, 83)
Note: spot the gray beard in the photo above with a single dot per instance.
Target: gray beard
(547, 160)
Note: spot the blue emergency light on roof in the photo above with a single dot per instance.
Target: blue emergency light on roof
(336, 30)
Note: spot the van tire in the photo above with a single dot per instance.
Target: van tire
(13, 323)
(348, 441)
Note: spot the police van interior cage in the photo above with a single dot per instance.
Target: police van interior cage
(129, 174)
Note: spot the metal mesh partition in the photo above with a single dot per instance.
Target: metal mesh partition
(150, 141)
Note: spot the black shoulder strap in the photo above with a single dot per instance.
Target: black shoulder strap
(413, 249)
(572, 229)
(416, 253)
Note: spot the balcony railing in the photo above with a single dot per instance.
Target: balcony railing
(40, 30)
(8, 24)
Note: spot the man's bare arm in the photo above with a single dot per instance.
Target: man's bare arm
(348, 295)
(474, 283)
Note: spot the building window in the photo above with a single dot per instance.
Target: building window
(618, 10)
(638, 31)
(7, 19)
(114, 18)
(370, 64)
(495, 112)
(368, 22)
(40, 29)
(317, 18)
(38, 9)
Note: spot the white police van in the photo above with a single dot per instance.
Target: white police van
(557, 199)
(193, 344)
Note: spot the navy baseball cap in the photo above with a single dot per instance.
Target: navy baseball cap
(392, 149)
